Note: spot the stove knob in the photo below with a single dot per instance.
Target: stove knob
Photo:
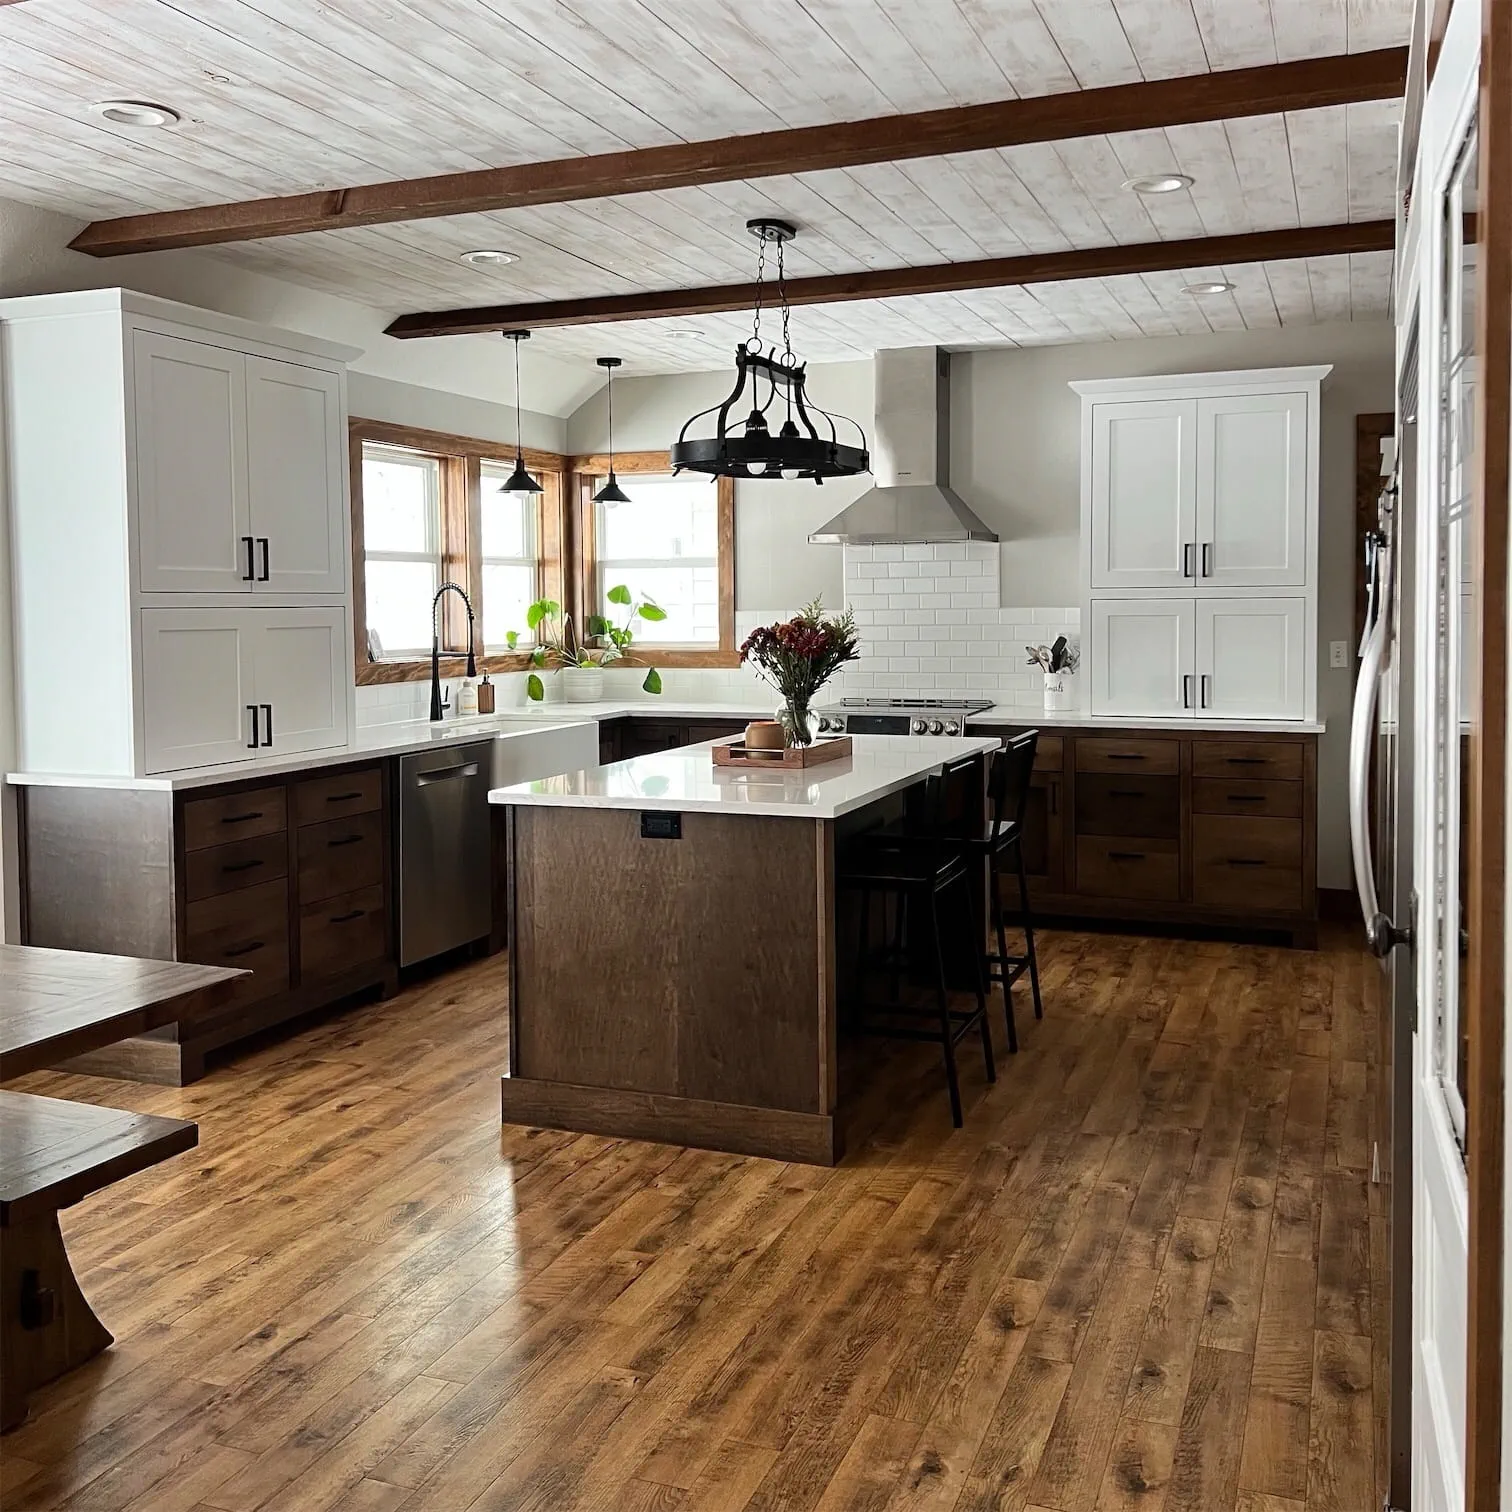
(823, 723)
(952, 727)
(917, 727)
(935, 727)
(829, 724)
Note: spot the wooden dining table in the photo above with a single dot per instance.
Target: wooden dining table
(55, 1004)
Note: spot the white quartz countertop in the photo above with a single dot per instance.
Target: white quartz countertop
(688, 781)
(1030, 718)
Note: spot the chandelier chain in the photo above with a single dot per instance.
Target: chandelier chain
(760, 291)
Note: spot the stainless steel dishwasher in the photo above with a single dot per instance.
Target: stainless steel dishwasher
(445, 888)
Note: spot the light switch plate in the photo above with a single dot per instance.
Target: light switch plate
(1338, 653)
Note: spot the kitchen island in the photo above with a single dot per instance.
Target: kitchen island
(673, 943)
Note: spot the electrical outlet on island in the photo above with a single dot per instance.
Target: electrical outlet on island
(1338, 654)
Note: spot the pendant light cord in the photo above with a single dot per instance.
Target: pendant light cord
(519, 436)
(611, 422)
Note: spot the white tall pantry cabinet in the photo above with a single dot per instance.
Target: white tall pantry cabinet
(180, 535)
(1200, 542)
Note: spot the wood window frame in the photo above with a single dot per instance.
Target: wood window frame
(461, 459)
(587, 472)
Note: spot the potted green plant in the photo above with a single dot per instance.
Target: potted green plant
(581, 660)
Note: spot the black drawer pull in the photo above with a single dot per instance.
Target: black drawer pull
(1126, 855)
(1247, 760)
(1125, 756)
(345, 840)
(241, 950)
(242, 818)
(1126, 792)
(1245, 797)
(1244, 861)
(240, 866)
(347, 918)
(341, 797)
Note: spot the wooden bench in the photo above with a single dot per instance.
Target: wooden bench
(52, 1154)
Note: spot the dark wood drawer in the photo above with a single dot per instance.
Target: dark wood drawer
(1247, 758)
(1240, 795)
(317, 799)
(1160, 757)
(1128, 804)
(1115, 867)
(234, 816)
(228, 868)
(1049, 753)
(340, 856)
(1239, 862)
(247, 928)
(341, 932)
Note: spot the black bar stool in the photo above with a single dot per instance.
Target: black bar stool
(1003, 845)
(918, 866)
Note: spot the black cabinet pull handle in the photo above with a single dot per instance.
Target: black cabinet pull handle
(1186, 559)
(251, 571)
(1126, 792)
(345, 840)
(1247, 760)
(242, 818)
(1207, 559)
(1124, 756)
(1186, 690)
(263, 575)
(1245, 797)
(268, 737)
(1053, 789)
(1126, 855)
(1207, 689)
(341, 797)
(1244, 861)
(251, 744)
(347, 918)
(241, 950)
(240, 866)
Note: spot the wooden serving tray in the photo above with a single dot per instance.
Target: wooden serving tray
(794, 758)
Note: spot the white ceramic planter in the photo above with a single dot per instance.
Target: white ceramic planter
(583, 684)
(1060, 693)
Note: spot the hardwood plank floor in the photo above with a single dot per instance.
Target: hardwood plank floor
(1138, 1280)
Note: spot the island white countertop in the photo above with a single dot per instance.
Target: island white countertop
(687, 780)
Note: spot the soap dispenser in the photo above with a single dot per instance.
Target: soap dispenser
(485, 696)
(467, 698)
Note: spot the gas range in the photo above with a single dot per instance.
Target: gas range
(899, 716)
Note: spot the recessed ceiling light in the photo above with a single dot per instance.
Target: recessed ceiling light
(134, 113)
(1209, 288)
(682, 334)
(1159, 183)
(487, 257)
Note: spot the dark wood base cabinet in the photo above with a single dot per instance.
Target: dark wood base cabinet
(1208, 829)
(287, 877)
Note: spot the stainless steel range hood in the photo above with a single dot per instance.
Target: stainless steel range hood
(913, 501)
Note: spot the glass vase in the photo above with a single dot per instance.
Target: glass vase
(796, 722)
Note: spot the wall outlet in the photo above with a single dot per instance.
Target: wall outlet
(1338, 654)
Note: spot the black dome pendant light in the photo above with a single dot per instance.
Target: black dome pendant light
(611, 492)
(519, 481)
(799, 448)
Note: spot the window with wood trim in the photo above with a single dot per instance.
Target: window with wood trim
(428, 507)
(673, 542)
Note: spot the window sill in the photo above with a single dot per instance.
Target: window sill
(374, 674)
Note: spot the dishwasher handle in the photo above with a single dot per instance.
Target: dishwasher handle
(445, 774)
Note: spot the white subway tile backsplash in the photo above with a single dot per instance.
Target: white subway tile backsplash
(931, 623)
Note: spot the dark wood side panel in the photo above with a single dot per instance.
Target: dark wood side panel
(696, 977)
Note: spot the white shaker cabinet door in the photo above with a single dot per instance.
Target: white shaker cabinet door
(300, 675)
(295, 449)
(1252, 491)
(189, 444)
(196, 688)
(1144, 494)
(1252, 658)
(1141, 656)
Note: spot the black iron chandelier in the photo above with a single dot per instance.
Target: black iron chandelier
(798, 447)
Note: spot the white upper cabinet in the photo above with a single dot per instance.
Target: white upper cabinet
(1144, 484)
(1252, 491)
(191, 466)
(1252, 658)
(295, 458)
(1141, 656)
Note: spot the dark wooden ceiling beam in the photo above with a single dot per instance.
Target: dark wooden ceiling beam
(1306, 84)
(892, 283)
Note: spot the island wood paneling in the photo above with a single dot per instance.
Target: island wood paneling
(697, 969)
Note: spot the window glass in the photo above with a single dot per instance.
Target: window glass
(663, 545)
(401, 505)
(511, 569)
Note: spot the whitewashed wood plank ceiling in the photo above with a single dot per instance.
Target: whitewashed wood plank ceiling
(281, 96)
